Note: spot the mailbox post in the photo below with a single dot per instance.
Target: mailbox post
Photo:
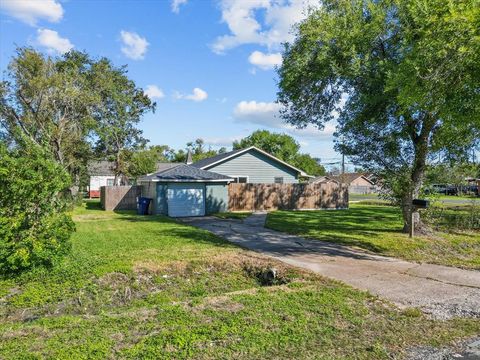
(417, 205)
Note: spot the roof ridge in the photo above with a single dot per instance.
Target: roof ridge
(162, 172)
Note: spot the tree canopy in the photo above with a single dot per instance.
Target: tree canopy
(402, 77)
(121, 107)
(49, 102)
(282, 146)
(74, 107)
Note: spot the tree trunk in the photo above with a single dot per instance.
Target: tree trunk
(409, 212)
(420, 143)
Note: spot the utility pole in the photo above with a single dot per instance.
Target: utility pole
(343, 162)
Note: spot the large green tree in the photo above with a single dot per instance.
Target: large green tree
(145, 161)
(121, 108)
(402, 76)
(48, 101)
(282, 146)
(197, 149)
(63, 104)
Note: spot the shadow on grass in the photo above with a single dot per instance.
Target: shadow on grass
(352, 227)
(93, 205)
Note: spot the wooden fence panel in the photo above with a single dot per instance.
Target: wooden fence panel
(267, 197)
(119, 197)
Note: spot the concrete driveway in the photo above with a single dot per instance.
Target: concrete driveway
(441, 291)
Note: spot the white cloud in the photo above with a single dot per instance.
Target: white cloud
(154, 92)
(261, 113)
(197, 95)
(270, 30)
(223, 141)
(135, 45)
(30, 11)
(175, 5)
(267, 114)
(265, 61)
(50, 40)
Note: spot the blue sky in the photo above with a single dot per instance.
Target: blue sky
(209, 65)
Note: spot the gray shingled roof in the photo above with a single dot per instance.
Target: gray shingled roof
(100, 168)
(105, 167)
(322, 179)
(161, 166)
(185, 173)
(205, 162)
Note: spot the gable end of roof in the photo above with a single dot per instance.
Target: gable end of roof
(209, 162)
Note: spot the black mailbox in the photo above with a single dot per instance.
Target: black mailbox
(420, 203)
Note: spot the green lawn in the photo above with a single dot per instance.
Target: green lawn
(150, 288)
(377, 228)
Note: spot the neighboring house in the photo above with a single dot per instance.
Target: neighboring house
(201, 188)
(252, 165)
(101, 174)
(185, 190)
(323, 180)
(358, 183)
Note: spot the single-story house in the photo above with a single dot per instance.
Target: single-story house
(252, 165)
(185, 190)
(358, 183)
(101, 174)
(323, 180)
(201, 188)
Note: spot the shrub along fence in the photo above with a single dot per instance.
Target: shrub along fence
(119, 197)
(448, 218)
(264, 197)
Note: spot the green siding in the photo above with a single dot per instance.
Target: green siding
(216, 198)
(259, 168)
(161, 199)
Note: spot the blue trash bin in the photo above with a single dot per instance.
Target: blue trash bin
(143, 204)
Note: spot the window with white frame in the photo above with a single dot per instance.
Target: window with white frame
(110, 182)
(278, 180)
(239, 179)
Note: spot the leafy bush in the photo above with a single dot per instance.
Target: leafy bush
(460, 218)
(34, 228)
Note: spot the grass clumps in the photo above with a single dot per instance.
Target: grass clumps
(149, 287)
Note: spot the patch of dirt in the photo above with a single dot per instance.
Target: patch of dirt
(170, 268)
(222, 303)
(113, 280)
(38, 331)
(90, 217)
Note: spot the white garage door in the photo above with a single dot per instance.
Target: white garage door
(185, 200)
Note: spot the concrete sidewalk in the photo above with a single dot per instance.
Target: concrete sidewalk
(441, 291)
